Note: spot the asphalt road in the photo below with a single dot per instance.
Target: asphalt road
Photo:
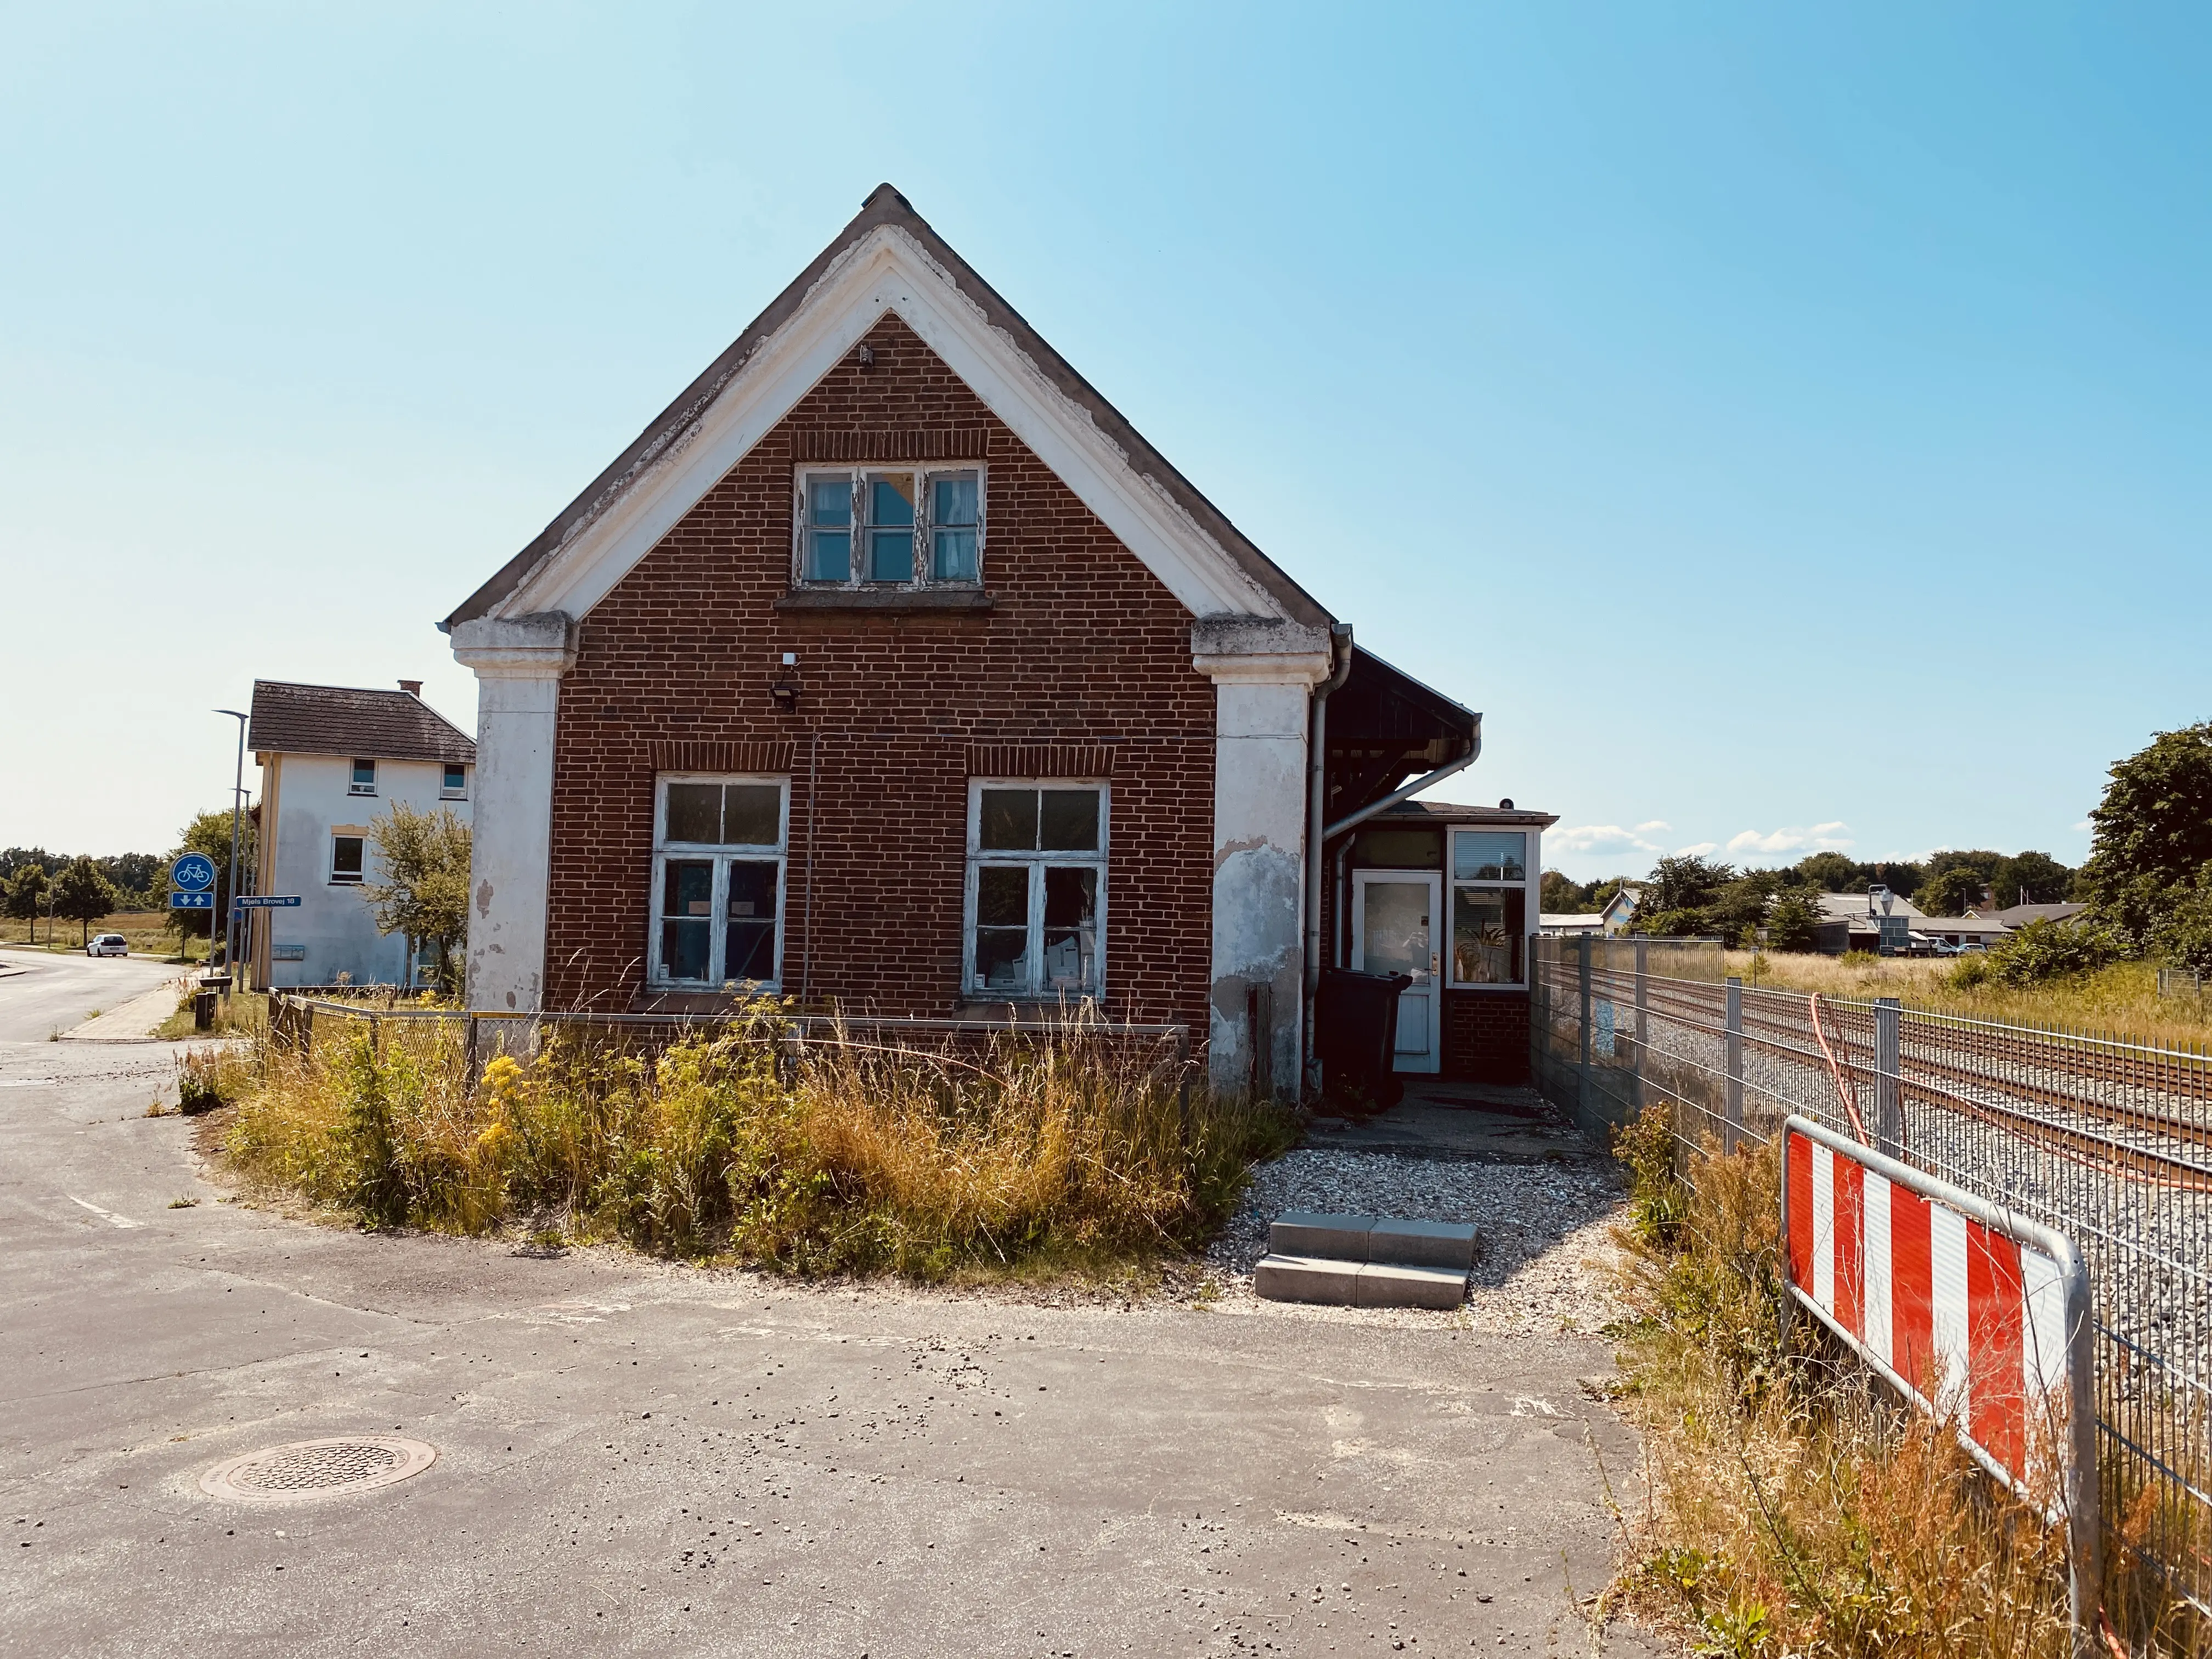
(41, 993)
(635, 1458)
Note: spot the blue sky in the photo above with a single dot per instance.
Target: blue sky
(1788, 427)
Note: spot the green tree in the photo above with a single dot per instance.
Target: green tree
(1790, 919)
(2031, 878)
(2152, 834)
(82, 894)
(24, 895)
(1833, 872)
(1561, 895)
(2182, 932)
(424, 859)
(1949, 893)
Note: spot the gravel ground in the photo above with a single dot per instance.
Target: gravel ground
(1540, 1233)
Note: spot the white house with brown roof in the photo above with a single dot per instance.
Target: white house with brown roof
(332, 758)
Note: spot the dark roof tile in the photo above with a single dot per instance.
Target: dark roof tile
(344, 719)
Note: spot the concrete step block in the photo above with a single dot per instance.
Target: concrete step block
(1307, 1233)
(1307, 1278)
(1422, 1243)
(1387, 1285)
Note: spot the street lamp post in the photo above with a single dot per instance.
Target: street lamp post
(230, 908)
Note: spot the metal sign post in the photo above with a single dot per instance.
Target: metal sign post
(1973, 1313)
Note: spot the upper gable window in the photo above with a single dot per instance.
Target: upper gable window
(890, 527)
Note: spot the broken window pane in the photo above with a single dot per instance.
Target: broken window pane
(1071, 927)
(752, 814)
(1070, 821)
(1002, 896)
(695, 813)
(687, 906)
(1009, 821)
(749, 947)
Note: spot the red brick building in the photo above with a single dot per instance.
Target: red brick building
(890, 668)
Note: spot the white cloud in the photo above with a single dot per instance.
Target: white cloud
(1598, 838)
(1820, 838)
(1655, 823)
(1697, 849)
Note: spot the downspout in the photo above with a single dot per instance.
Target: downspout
(1339, 644)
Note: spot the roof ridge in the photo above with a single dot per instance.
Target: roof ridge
(885, 205)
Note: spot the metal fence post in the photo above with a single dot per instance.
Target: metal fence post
(1583, 1031)
(1643, 1014)
(1732, 1045)
(1888, 1103)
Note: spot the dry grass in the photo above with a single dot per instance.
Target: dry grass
(145, 932)
(240, 1014)
(1792, 1510)
(1074, 1154)
(2121, 1000)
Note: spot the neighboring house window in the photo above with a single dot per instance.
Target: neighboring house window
(346, 857)
(1490, 906)
(867, 527)
(1036, 889)
(364, 777)
(717, 881)
(456, 786)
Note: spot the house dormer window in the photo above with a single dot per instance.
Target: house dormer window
(364, 777)
(888, 527)
(456, 784)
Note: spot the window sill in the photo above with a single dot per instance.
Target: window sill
(940, 601)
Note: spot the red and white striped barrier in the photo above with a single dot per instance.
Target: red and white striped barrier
(1971, 1311)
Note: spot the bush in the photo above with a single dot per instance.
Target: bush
(1072, 1150)
(2041, 950)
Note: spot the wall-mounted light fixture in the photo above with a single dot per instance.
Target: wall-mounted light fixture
(783, 690)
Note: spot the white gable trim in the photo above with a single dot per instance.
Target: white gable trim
(887, 269)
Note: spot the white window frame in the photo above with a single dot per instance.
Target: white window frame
(354, 785)
(337, 880)
(452, 791)
(978, 856)
(856, 474)
(723, 856)
(1528, 887)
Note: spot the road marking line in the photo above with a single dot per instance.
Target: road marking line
(108, 1215)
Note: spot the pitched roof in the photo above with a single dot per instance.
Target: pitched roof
(676, 429)
(2019, 915)
(345, 720)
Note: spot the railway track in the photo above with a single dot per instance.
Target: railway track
(1960, 1070)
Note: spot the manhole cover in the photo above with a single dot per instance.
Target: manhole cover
(317, 1469)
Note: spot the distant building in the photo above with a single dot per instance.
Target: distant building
(2019, 915)
(332, 758)
(1609, 919)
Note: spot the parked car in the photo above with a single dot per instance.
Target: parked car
(108, 944)
(1945, 948)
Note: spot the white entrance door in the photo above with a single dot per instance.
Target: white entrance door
(1395, 918)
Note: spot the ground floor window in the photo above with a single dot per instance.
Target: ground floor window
(718, 869)
(1036, 888)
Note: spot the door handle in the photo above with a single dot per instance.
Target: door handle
(1432, 961)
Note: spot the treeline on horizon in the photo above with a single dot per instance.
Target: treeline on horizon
(1945, 884)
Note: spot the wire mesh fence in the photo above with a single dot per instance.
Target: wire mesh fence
(2106, 1140)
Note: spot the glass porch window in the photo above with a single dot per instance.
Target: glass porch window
(1490, 907)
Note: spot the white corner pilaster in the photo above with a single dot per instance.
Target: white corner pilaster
(1264, 672)
(518, 662)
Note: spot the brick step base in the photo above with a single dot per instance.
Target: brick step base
(1358, 1284)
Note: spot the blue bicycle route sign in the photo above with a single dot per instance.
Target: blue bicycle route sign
(194, 873)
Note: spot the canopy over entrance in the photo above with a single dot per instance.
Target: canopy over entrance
(1384, 727)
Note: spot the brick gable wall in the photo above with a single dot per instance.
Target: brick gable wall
(1084, 657)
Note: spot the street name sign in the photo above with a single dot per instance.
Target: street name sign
(266, 902)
